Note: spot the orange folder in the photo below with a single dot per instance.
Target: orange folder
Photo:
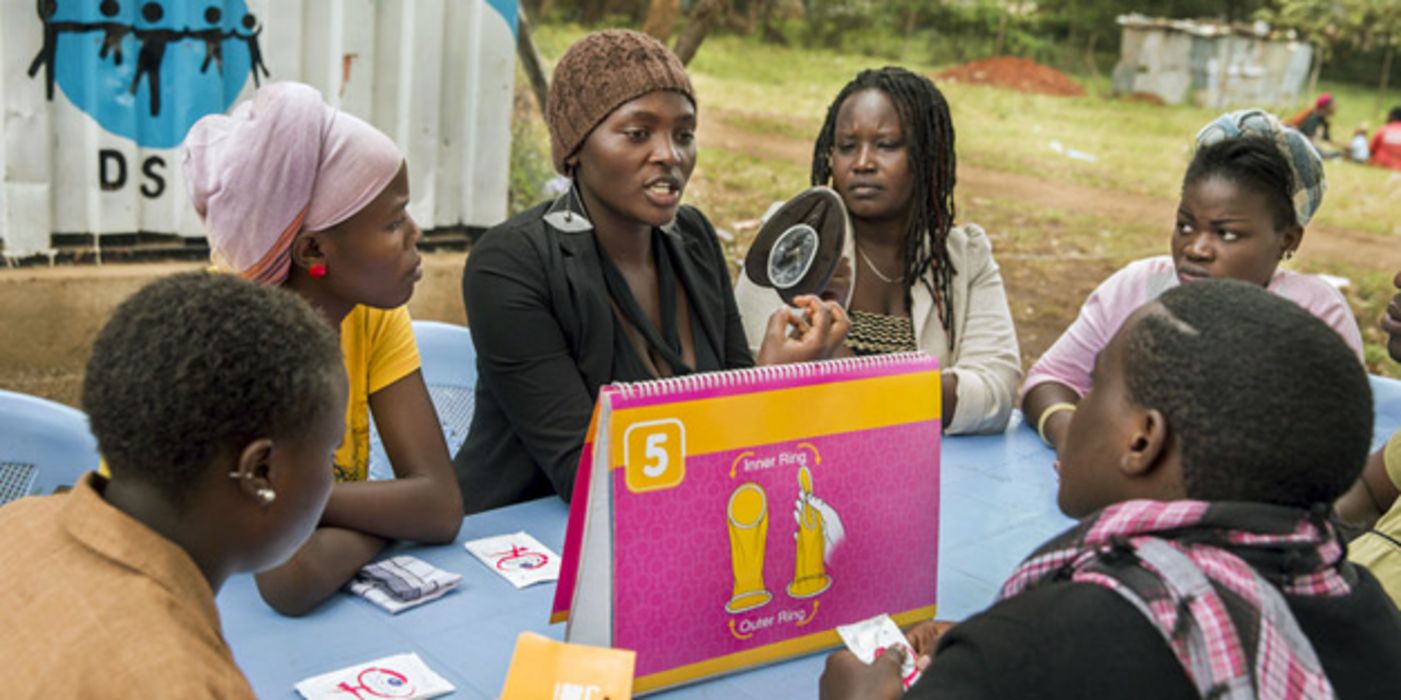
(544, 668)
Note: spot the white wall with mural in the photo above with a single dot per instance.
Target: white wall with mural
(98, 94)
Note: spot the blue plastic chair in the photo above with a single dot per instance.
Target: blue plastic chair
(1386, 407)
(43, 446)
(449, 366)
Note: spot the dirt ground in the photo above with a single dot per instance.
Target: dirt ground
(1019, 74)
(49, 316)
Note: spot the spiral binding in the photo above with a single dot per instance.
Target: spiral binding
(754, 375)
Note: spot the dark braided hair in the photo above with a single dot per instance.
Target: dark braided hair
(929, 139)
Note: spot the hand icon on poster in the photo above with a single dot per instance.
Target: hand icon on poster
(819, 533)
(833, 533)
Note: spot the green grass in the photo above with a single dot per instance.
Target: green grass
(1141, 148)
(731, 186)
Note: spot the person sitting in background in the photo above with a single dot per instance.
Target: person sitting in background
(297, 194)
(1386, 143)
(887, 147)
(616, 281)
(1206, 565)
(1313, 123)
(1358, 149)
(217, 432)
(1372, 503)
(1250, 190)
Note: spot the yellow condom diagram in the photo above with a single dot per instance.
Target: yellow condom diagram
(814, 537)
(818, 532)
(748, 515)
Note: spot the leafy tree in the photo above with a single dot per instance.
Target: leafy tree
(1379, 28)
(1326, 24)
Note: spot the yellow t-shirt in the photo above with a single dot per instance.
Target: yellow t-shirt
(379, 349)
(1373, 549)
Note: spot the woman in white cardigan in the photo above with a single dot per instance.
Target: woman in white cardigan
(916, 281)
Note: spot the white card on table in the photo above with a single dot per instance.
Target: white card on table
(518, 558)
(399, 676)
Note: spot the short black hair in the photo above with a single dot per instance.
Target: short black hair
(195, 366)
(1394, 115)
(1266, 402)
(929, 138)
(1253, 162)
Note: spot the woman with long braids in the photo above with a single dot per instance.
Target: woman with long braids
(919, 282)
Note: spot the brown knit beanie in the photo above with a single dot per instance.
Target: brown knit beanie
(597, 75)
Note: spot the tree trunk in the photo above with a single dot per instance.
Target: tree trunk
(767, 31)
(1386, 77)
(1001, 31)
(1313, 76)
(1090, 62)
(704, 15)
(592, 12)
(530, 62)
(661, 18)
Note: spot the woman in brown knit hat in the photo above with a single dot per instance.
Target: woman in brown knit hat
(614, 281)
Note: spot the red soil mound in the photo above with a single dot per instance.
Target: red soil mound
(1019, 74)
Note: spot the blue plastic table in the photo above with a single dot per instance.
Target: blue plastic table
(998, 501)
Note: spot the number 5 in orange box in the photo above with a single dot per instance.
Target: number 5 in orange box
(655, 455)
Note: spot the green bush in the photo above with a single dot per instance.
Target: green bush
(530, 165)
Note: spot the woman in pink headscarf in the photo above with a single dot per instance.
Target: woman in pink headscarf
(295, 193)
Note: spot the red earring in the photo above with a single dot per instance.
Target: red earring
(317, 270)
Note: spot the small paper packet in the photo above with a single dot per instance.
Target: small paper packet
(400, 676)
(402, 582)
(518, 558)
(868, 639)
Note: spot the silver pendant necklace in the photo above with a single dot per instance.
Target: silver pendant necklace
(880, 275)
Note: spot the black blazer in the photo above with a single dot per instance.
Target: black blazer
(543, 328)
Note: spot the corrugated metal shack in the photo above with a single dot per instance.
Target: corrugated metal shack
(97, 98)
(1210, 64)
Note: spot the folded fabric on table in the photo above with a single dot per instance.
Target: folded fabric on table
(402, 582)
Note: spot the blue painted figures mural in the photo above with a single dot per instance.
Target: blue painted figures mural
(121, 61)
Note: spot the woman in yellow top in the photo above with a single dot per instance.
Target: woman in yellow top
(1374, 501)
(295, 193)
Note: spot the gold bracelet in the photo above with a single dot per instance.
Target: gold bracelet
(1046, 415)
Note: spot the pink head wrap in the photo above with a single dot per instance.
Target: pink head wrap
(281, 163)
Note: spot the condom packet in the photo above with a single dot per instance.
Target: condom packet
(400, 676)
(868, 639)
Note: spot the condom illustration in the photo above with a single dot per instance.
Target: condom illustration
(818, 534)
(748, 518)
(119, 60)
